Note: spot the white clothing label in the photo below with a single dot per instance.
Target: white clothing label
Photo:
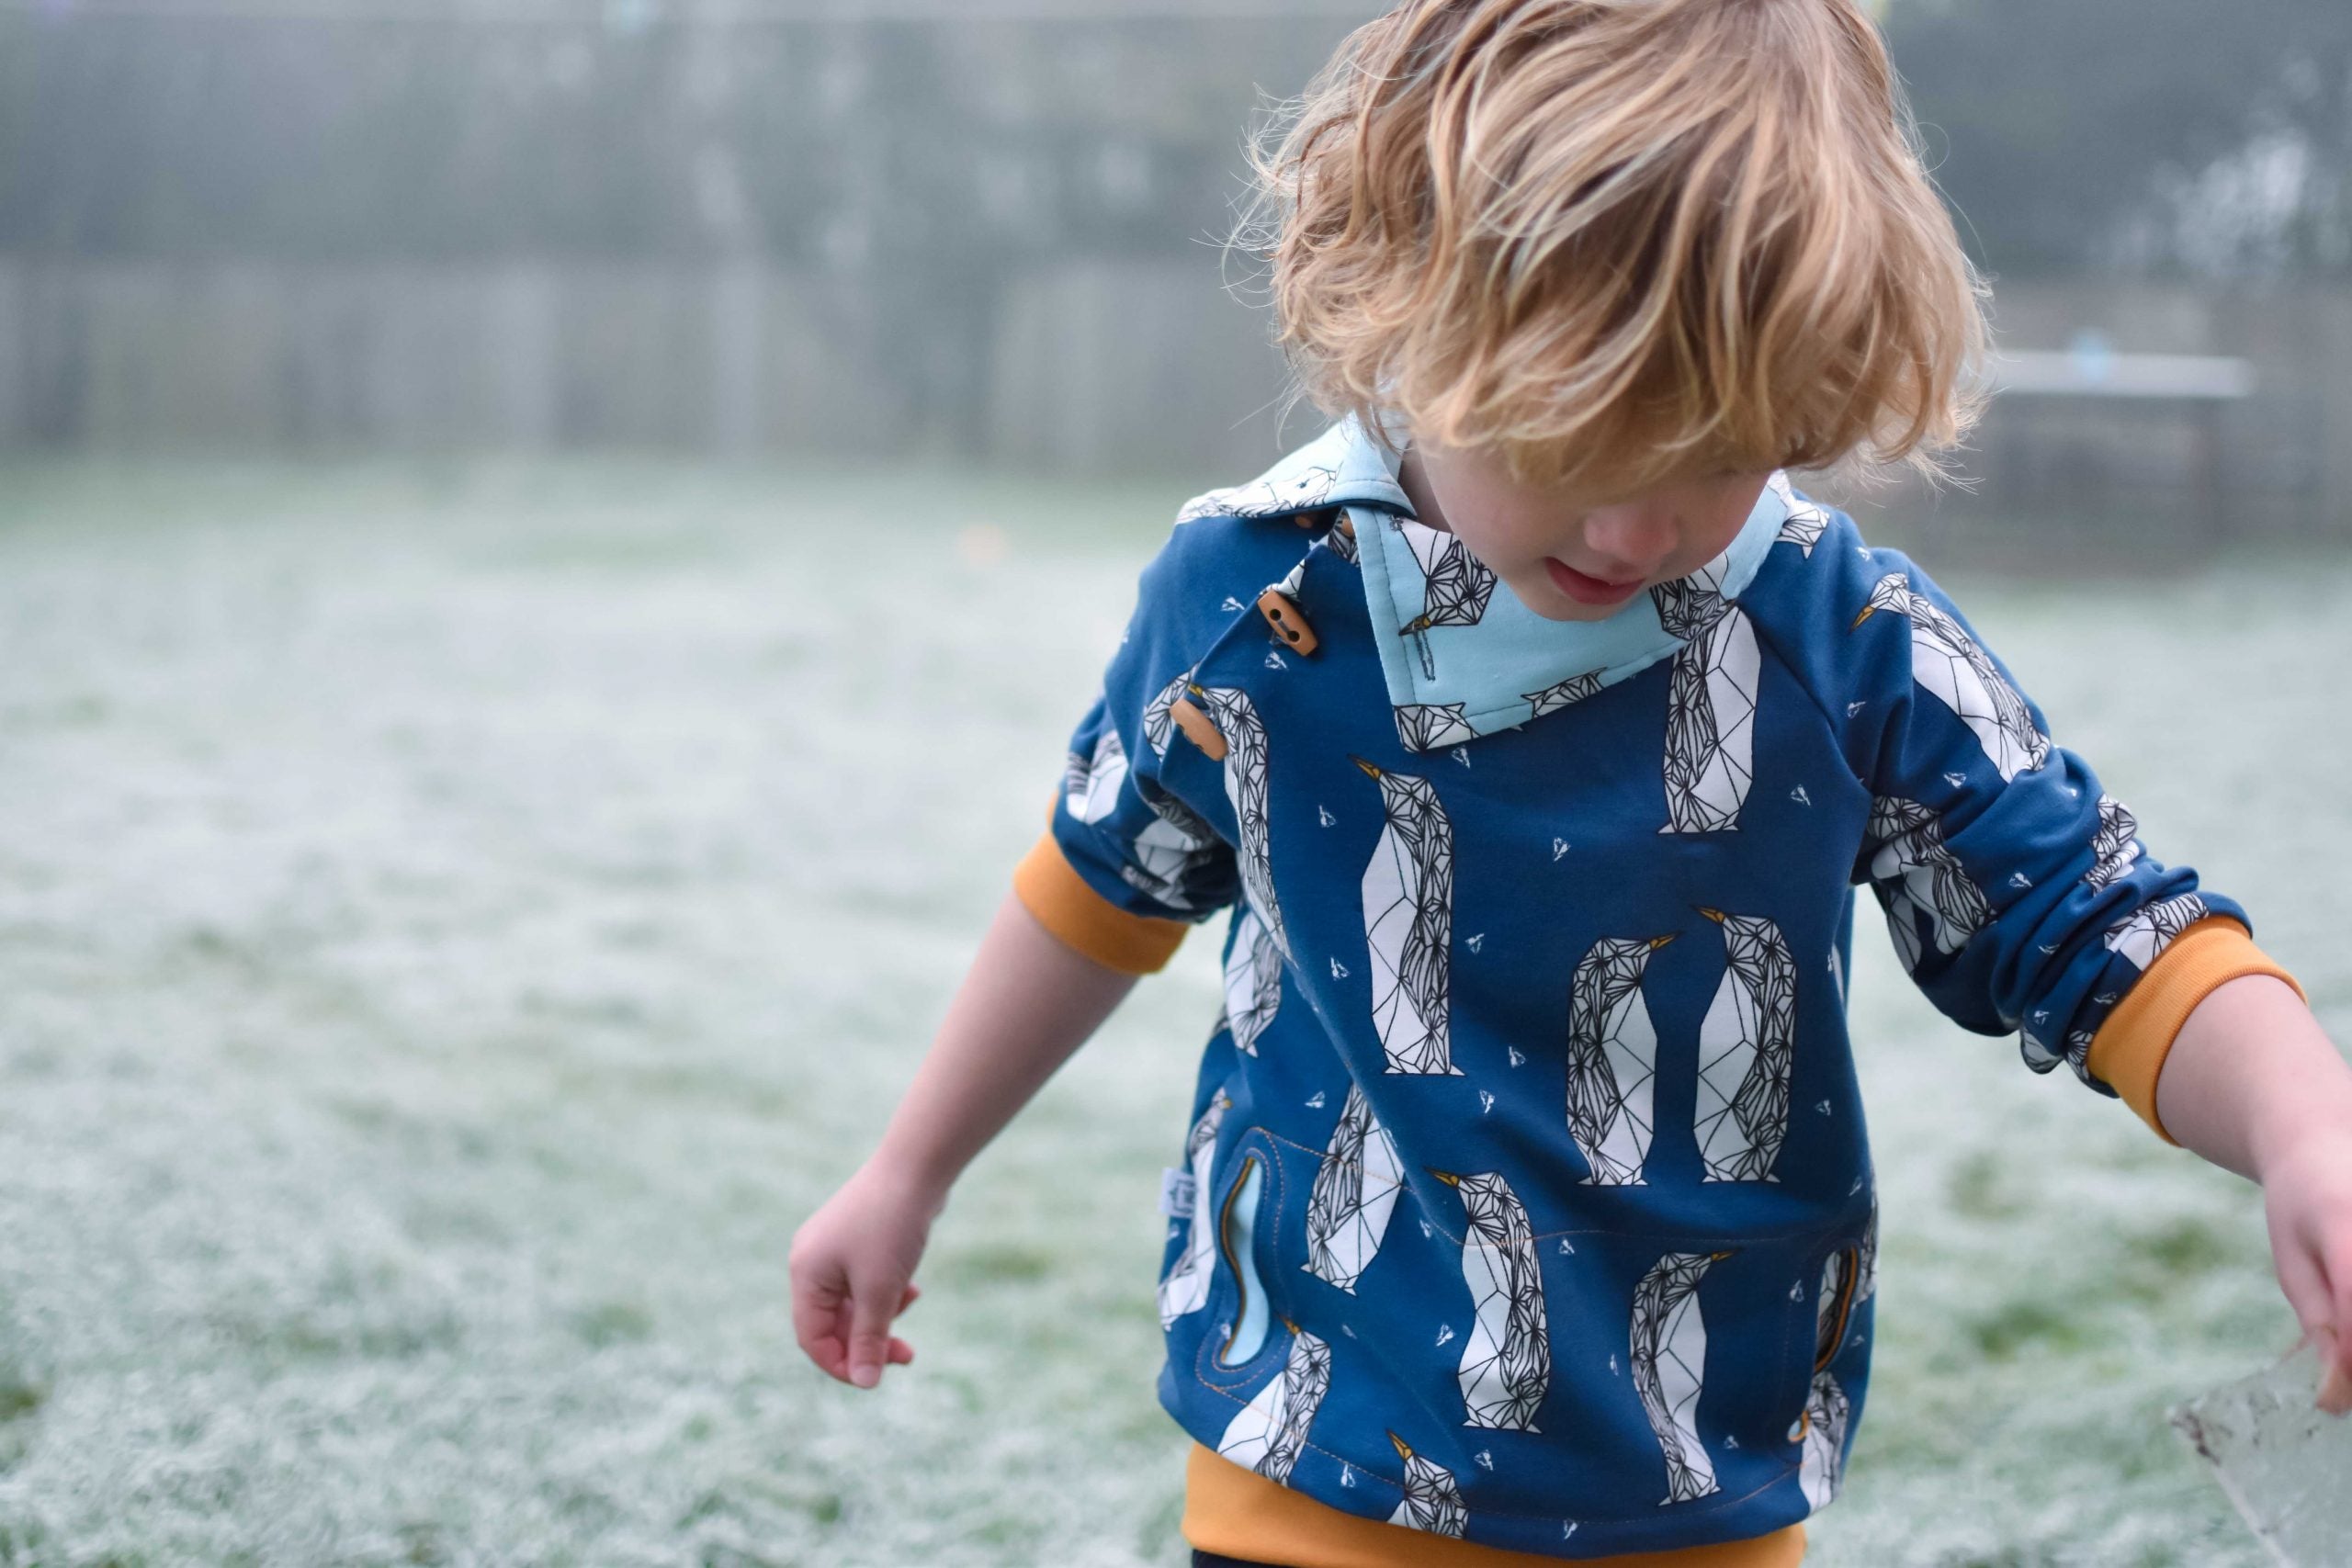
(1176, 1193)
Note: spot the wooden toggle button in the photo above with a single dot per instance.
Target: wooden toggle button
(1281, 613)
(1197, 728)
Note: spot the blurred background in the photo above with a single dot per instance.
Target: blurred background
(987, 231)
(548, 553)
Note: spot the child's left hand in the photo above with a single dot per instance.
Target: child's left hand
(2307, 1196)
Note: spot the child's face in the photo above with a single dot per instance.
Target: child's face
(1576, 557)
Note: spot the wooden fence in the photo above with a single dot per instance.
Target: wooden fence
(1089, 367)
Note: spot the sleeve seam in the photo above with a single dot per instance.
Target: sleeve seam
(1830, 717)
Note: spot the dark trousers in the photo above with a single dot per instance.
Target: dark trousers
(1211, 1560)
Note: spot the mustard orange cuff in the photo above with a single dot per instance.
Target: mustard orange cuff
(2128, 1052)
(1085, 921)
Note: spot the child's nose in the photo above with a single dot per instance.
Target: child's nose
(1636, 537)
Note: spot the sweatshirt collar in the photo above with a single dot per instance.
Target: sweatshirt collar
(1343, 467)
(1461, 655)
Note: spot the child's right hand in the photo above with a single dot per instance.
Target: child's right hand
(852, 1264)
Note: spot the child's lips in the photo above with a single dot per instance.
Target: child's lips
(1585, 589)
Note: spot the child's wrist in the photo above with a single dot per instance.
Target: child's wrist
(2296, 1117)
(907, 1182)
(2285, 1138)
(2251, 1077)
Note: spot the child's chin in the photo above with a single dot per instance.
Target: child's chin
(1554, 606)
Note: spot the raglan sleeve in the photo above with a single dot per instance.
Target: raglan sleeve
(1125, 867)
(2018, 891)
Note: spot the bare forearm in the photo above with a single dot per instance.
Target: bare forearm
(1026, 1004)
(2250, 1075)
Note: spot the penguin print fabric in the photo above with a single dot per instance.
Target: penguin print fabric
(1528, 1195)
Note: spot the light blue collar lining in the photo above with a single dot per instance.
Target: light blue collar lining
(1478, 660)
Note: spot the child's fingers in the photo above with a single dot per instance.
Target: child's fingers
(2324, 1306)
(2304, 1285)
(818, 1323)
(2335, 1385)
(830, 1352)
(816, 1339)
(900, 1351)
(871, 1310)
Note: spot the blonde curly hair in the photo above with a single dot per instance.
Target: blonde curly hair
(1614, 241)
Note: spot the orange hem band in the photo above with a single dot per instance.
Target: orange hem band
(1088, 923)
(1238, 1513)
(2128, 1052)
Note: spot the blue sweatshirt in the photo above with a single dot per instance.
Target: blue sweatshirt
(1527, 1197)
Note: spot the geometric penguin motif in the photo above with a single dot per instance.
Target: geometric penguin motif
(1090, 785)
(1669, 1352)
(1917, 877)
(1268, 1434)
(1342, 541)
(1300, 490)
(2114, 845)
(1689, 605)
(1958, 673)
(1849, 1277)
(1237, 720)
(1185, 1287)
(1559, 694)
(1356, 1190)
(1747, 1045)
(1711, 704)
(1506, 1364)
(1822, 1430)
(1612, 1059)
(1455, 585)
(2077, 1055)
(1432, 1502)
(1821, 1427)
(1253, 981)
(1429, 726)
(1803, 521)
(1157, 719)
(1168, 850)
(2151, 930)
(1292, 583)
(1408, 924)
(1866, 1260)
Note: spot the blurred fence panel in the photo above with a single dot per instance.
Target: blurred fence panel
(1093, 365)
(1103, 365)
(1088, 366)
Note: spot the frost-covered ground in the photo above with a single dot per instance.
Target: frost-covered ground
(453, 928)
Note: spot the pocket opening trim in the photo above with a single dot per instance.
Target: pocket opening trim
(1831, 1334)
(1250, 1312)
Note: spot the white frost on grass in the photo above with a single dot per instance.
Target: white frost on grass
(450, 935)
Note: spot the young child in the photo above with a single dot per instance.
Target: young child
(1536, 731)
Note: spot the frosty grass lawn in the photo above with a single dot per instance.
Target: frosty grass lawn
(454, 926)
